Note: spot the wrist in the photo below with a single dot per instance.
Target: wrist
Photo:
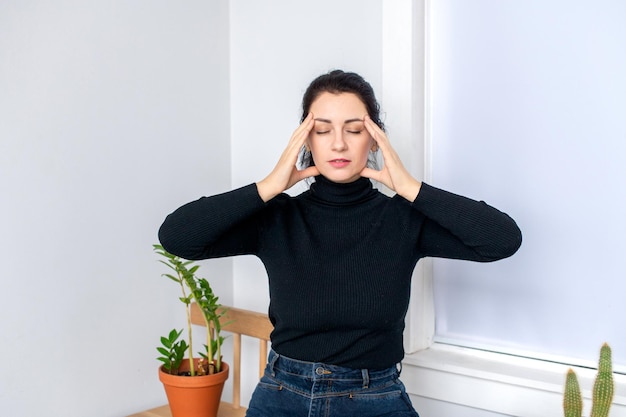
(410, 190)
(266, 191)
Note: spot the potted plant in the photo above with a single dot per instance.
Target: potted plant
(193, 386)
(602, 389)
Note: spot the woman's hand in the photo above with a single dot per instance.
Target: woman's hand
(393, 174)
(285, 174)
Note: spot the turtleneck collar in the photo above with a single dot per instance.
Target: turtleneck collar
(335, 193)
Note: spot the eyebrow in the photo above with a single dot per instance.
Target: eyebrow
(356, 119)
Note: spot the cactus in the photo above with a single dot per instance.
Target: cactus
(572, 399)
(602, 389)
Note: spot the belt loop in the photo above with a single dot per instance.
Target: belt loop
(273, 363)
(366, 378)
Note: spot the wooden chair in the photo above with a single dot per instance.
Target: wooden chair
(238, 322)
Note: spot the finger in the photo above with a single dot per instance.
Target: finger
(309, 172)
(302, 132)
(379, 136)
(379, 176)
(372, 127)
(298, 176)
(298, 137)
(389, 154)
(370, 173)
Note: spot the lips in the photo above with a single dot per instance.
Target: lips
(339, 162)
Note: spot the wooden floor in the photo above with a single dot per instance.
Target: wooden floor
(226, 410)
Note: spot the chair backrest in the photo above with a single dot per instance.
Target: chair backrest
(241, 322)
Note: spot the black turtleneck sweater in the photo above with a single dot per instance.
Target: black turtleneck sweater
(339, 258)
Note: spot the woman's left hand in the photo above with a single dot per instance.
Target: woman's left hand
(393, 174)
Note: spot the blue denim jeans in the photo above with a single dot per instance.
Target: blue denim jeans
(293, 388)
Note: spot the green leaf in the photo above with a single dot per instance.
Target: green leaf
(172, 277)
(168, 264)
(173, 335)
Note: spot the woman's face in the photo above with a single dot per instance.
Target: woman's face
(339, 142)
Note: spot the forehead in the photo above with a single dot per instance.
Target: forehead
(338, 106)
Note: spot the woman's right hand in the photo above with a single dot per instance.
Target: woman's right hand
(285, 174)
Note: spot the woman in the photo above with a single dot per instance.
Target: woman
(339, 256)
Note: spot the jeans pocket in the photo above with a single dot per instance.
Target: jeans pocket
(390, 389)
(376, 395)
(273, 399)
(390, 400)
(270, 384)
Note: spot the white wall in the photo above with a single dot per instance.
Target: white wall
(112, 113)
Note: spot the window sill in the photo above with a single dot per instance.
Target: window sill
(498, 383)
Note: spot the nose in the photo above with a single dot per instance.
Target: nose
(339, 144)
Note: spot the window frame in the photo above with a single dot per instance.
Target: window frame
(405, 102)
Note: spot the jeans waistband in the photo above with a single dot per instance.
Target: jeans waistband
(322, 371)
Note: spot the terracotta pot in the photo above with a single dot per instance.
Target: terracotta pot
(197, 396)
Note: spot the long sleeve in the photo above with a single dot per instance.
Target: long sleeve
(212, 227)
(462, 228)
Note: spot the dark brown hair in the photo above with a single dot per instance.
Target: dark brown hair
(338, 81)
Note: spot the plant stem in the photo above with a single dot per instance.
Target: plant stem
(209, 345)
(218, 359)
(192, 370)
(209, 348)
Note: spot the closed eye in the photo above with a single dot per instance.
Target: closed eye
(356, 132)
(322, 132)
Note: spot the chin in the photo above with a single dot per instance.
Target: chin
(342, 179)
